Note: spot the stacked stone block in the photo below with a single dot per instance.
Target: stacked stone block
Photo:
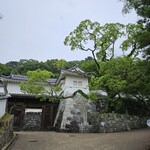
(112, 122)
(6, 133)
(32, 121)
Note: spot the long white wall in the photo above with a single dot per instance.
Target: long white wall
(1, 89)
(14, 88)
(68, 85)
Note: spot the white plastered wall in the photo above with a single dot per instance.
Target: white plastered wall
(2, 107)
(70, 88)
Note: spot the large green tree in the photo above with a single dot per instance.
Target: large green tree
(124, 78)
(91, 36)
(101, 40)
(116, 76)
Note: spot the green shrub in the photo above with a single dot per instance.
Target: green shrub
(5, 117)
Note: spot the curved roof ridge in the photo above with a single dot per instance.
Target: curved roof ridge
(76, 69)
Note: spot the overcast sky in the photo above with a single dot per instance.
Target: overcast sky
(36, 29)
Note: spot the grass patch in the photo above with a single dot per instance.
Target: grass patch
(4, 122)
(5, 117)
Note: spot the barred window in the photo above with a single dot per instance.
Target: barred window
(75, 83)
(79, 83)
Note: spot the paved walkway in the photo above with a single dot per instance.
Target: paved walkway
(133, 140)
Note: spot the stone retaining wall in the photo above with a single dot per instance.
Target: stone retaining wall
(112, 122)
(78, 114)
(6, 133)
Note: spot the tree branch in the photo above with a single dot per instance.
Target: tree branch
(132, 51)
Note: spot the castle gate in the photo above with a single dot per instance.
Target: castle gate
(19, 104)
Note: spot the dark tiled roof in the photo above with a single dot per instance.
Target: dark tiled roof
(3, 96)
(52, 81)
(22, 95)
(18, 77)
(76, 69)
(14, 78)
(21, 78)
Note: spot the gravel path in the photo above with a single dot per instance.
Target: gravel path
(133, 140)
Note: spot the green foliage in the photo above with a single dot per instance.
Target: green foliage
(3, 69)
(101, 40)
(36, 84)
(139, 85)
(129, 106)
(3, 121)
(113, 75)
(32, 88)
(60, 64)
(94, 97)
(5, 117)
(132, 32)
(91, 36)
(37, 80)
(38, 75)
(110, 33)
(88, 66)
(142, 8)
(124, 76)
(54, 65)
